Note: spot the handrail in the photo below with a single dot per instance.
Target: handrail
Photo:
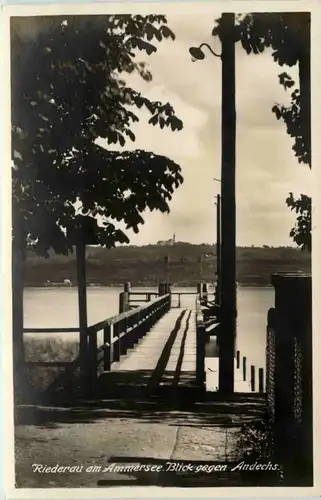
(121, 316)
(96, 326)
(121, 332)
(51, 330)
(173, 292)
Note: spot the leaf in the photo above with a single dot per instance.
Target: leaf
(130, 134)
(121, 140)
(276, 111)
(147, 47)
(153, 120)
(167, 33)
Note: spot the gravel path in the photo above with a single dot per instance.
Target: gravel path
(103, 439)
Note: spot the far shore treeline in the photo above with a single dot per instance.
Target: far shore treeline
(147, 265)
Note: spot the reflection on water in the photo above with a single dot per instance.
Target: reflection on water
(57, 307)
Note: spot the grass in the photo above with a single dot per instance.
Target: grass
(39, 378)
(256, 439)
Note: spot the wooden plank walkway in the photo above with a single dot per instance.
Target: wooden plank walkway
(164, 359)
(173, 332)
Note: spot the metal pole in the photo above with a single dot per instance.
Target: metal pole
(228, 209)
(218, 249)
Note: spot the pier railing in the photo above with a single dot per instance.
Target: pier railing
(120, 333)
(289, 374)
(136, 298)
(123, 331)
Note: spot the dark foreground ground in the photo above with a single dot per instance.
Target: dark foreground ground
(203, 437)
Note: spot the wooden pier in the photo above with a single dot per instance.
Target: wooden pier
(153, 385)
(153, 347)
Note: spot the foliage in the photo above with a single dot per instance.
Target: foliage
(47, 350)
(67, 91)
(256, 441)
(288, 36)
(301, 233)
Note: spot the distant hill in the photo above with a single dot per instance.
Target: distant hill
(145, 265)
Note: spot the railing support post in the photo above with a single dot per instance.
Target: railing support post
(200, 348)
(261, 380)
(237, 359)
(244, 368)
(252, 378)
(107, 351)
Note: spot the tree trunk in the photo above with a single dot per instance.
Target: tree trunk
(82, 311)
(18, 266)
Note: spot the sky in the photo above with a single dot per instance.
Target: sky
(266, 168)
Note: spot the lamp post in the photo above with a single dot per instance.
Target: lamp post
(218, 249)
(228, 205)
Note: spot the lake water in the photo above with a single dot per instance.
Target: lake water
(57, 308)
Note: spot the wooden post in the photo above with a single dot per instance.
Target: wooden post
(200, 290)
(127, 287)
(252, 378)
(82, 310)
(123, 302)
(107, 351)
(261, 380)
(116, 342)
(244, 368)
(205, 290)
(200, 354)
(237, 359)
(162, 289)
(228, 208)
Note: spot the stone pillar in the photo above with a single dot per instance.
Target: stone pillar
(293, 369)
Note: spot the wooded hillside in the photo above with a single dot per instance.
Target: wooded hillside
(145, 265)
